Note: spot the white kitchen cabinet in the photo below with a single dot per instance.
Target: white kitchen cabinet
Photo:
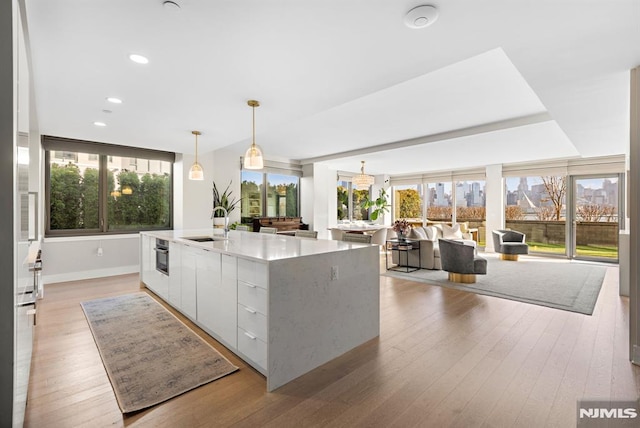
(253, 298)
(208, 277)
(188, 305)
(217, 295)
(279, 311)
(225, 305)
(175, 274)
(254, 273)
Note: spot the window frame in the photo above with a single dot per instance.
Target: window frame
(265, 188)
(105, 153)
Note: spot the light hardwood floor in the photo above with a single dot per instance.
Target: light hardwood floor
(443, 358)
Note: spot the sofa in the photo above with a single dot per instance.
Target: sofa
(428, 240)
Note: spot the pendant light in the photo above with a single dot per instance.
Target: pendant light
(253, 157)
(362, 181)
(196, 172)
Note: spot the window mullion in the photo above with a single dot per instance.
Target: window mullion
(102, 194)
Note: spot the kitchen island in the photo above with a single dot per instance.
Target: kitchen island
(285, 305)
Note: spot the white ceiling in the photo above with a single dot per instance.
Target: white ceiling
(489, 82)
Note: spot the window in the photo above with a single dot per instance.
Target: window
(279, 198)
(439, 203)
(282, 195)
(251, 193)
(407, 203)
(471, 206)
(350, 202)
(536, 206)
(91, 190)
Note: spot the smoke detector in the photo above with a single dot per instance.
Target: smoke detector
(421, 16)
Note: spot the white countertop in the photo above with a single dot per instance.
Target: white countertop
(258, 246)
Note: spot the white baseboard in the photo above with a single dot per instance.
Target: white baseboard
(89, 274)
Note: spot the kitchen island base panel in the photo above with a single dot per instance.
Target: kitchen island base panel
(314, 319)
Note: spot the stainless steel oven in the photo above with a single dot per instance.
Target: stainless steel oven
(162, 256)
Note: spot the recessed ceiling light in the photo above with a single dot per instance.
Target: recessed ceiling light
(139, 59)
(114, 100)
(99, 124)
(421, 16)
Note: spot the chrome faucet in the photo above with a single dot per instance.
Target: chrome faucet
(226, 219)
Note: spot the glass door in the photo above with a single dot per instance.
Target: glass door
(595, 210)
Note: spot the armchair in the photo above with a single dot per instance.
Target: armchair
(509, 244)
(461, 261)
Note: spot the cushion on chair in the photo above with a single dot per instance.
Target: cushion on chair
(418, 233)
(464, 227)
(449, 232)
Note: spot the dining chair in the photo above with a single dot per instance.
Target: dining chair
(272, 230)
(306, 233)
(336, 234)
(357, 237)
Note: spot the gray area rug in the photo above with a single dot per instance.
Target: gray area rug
(150, 356)
(570, 286)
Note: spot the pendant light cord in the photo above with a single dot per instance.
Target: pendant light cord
(196, 148)
(254, 126)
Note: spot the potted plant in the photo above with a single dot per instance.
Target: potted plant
(224, 200)
(378, 206)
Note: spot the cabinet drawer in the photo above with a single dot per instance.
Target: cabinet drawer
(252, 321)
(252, 347)
(252, 296)
(251, 272)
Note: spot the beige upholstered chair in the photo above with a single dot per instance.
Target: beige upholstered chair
(242, 228)
(379, 237)
(306, 233)
(357, 237)
(336, 234)
(272, 230)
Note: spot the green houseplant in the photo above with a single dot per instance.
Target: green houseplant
(224, 200)
(378, 206)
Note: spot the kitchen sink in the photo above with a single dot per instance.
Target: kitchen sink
(204, 238)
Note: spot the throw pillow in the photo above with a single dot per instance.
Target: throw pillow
(449, 232)
(418, 233)
(464, 227)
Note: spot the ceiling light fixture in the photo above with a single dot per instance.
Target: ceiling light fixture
(99, 124)
(421, 17)
(139, 59)
(362, 181)
(114, 100)
(253, 158)
(171, 6)
(196, 172)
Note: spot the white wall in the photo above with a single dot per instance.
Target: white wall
(71, 259)
(197, 196)
(494, 203)
(307, 196)
(324, 205)
(227, 169)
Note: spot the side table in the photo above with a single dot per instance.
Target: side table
(402, 247)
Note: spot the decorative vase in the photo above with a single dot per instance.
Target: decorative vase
(218, 222)
(401, 237)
